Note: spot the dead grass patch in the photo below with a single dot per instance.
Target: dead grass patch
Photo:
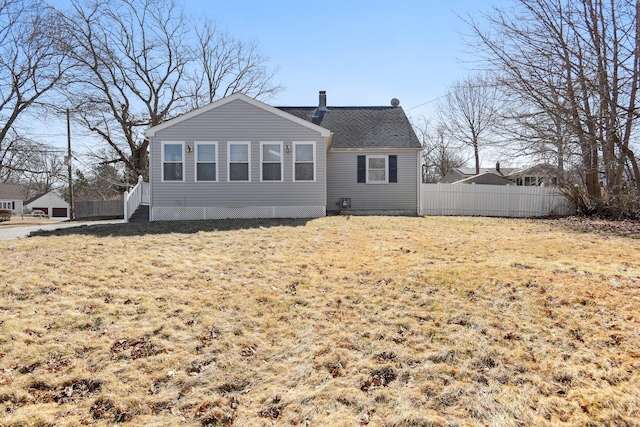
(23, 221)
(366, 321)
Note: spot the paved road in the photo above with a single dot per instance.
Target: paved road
(20, 232)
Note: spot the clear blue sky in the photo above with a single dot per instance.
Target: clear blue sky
(362, 52)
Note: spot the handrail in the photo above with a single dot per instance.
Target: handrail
(134, 198)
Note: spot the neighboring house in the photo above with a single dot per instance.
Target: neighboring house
(527, 176)
(241, 158)
(541, 174)
(486, 178)
(50, 204)
(11, 198)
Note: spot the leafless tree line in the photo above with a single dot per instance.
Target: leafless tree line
(570, 70)
(120, 66)
(557, 83)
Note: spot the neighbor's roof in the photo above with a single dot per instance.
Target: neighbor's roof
(362, 127)
(34, 198)
(10, 192)
(488, 178)
(472, 171)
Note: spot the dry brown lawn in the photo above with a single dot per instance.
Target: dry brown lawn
(329, 322)
(22, 221)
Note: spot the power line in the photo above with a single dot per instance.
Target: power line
(98, 175)
(428, 102)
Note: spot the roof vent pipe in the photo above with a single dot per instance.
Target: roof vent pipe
(498, 167)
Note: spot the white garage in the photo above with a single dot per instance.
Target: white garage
(50, 204)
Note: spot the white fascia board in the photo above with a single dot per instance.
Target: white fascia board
(151, 132)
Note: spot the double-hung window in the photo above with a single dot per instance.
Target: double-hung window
(173, 161)
(206, 161)
(377, 170)
(271, 160)
(239, 161)
(304, 161)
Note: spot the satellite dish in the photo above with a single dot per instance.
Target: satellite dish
(395, 102)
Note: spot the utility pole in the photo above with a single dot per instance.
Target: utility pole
(72, 213)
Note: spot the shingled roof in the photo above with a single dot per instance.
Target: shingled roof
(361, 127)
(10, 192)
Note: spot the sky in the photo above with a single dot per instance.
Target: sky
(360, 52)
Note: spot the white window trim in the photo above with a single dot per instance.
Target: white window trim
(315, 162)
(229, 144)
(262, 144)
(162, 162)
(386, 168)
(195, 160)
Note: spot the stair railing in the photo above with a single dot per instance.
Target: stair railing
(137, 196)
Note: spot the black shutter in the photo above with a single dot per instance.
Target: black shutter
(362, 168)
(393, 168)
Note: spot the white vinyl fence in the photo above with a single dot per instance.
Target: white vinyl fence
(492, 200)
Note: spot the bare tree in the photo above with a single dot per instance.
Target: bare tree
(29, 162)
(46, 172)
(143, 62)
(527, 132)
(470, 112)
(32, 64)
(438, 153)
(224, 65)
(578, 62)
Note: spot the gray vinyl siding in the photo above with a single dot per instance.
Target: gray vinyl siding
(342, 182)
(237, 121)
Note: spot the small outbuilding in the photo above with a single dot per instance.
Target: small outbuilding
(50, 204)
(11, 198)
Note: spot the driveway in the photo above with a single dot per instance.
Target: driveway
(20, 232)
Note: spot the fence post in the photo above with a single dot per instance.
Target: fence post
(126, 199)
(508, 200)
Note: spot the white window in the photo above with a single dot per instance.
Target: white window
(377, 170)
(239, 161)
(271, 160)
(172, 161)
(206, 161)
(304, 161)
(532, 180)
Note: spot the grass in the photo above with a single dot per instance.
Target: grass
(22, 221)
(330, 322)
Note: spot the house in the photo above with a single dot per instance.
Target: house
(240, 158)
(485, 178)
(528, 176)
(11, 198)
(50, 204)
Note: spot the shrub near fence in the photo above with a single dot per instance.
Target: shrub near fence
(5, 215)
(99, 209)
(492, 200)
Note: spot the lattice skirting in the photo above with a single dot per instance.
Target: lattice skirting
(176, 213)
